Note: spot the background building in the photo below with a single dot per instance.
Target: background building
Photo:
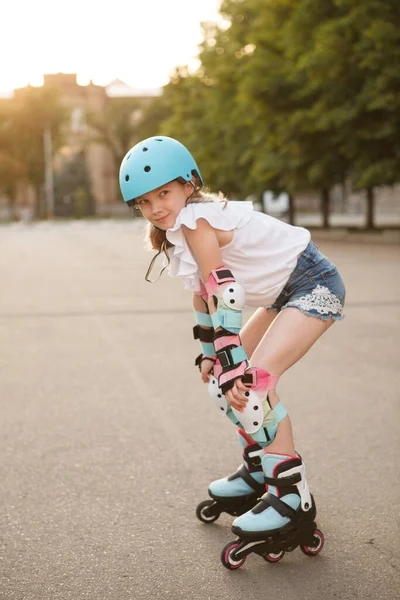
(84, 168)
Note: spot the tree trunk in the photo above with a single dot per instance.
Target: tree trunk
(291, 212)
(37, 207)
(12, 209)
(370, 224)
(325, 208)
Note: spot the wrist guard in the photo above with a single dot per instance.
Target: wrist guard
(231, 358)
(229, 298)
(203, 331)
(201, 357)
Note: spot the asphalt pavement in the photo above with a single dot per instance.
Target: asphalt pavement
(108, 439)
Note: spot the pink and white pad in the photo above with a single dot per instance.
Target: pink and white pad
(262, 380)
(202, 292)
(217, 395)
(252, 417)
(217, 278)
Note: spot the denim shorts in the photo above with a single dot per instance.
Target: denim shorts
(314, 287)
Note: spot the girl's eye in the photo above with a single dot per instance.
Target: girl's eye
(164, 192)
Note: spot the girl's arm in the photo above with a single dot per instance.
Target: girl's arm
(204, 331)
(204, 244)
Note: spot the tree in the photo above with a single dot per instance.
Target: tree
(72, 188)
(12, 169)
(118, 127)
(351, 67)
(294, 95)
(31, 112)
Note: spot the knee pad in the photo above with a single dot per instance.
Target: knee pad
(216, 394)
(258, 418)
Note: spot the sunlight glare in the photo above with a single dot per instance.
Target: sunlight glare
(138, 42)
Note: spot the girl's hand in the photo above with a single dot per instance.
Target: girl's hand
(236, 396)
(206, 368)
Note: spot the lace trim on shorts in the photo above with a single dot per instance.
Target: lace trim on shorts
(321, 299)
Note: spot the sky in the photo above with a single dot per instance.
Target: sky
(138, 41)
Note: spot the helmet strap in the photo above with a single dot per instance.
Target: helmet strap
(153, 260)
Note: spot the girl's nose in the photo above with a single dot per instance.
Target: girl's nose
(156, 208)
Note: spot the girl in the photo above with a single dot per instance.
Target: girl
(230, 256)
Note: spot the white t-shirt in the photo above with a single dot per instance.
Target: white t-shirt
(261, 255)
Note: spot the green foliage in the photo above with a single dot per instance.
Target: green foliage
(34, 110)
(293, 94)
(23, 120)
(72, 188)
(154, 113)
(118, 127)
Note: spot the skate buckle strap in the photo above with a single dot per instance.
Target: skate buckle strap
(252, 457)
(243, 473)
(283, 482)
(282, 508)
(302, 485)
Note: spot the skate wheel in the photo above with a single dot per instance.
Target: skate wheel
(273, 558)
(228, 560)
(317, 546)
(204, 513)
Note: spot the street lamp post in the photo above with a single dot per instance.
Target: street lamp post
(48, 172)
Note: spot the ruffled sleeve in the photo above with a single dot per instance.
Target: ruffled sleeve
(219, 215)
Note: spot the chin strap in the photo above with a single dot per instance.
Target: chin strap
(153, 260)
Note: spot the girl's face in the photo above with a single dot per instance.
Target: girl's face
(162, 205)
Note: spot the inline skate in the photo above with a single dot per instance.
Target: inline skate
(239, 492)
(283, 519)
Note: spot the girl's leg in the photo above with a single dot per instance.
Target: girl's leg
(255, 329)
(239, 492)
(285, 516)
(289, 337)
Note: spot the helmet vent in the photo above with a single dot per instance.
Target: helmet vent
(159, 140)
(126, 177)
(147, 169)
(145, 149)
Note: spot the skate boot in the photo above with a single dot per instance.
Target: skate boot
(283, 519)
(239, 492)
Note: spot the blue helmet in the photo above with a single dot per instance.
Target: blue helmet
(153, 163)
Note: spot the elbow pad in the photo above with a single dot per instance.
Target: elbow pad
(229, 297)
